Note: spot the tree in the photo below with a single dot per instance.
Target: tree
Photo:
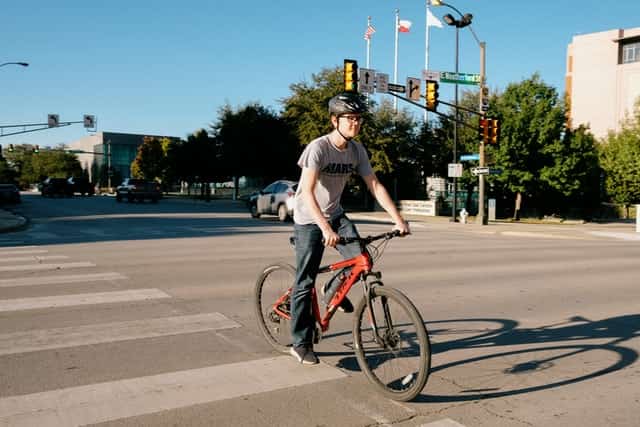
(620, 160)
(254, 141)
(572, 174)
(150, 161)
(531, 118)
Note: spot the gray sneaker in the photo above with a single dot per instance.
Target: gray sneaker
(304, 354)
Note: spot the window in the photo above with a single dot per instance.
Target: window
(631, 52)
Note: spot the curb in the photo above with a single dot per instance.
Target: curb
(11, 222)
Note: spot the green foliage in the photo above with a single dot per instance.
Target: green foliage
(34, 167)
(255, 141)
(531, 118)
(620, 160)
(150, 161)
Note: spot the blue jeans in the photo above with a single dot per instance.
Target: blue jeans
(309, 251)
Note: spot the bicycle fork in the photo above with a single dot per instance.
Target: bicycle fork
(368, 286)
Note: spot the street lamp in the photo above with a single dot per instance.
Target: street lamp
(22, 64)
(464, 21)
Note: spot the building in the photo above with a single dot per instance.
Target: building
(123, 148)
(603, 79)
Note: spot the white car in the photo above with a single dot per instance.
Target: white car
(276, 198)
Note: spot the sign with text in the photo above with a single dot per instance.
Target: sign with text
(366, 77)
(397, 88)
(382, 83)
(455, 170)
(431, 75)
(460, 78)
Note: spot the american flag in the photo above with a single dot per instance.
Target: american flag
(370, 30)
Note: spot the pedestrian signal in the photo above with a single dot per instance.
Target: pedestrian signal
(350, 75)
(432, 95)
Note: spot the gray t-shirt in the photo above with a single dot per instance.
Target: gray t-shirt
(335, 167)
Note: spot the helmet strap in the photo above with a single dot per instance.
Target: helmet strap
(338, 129)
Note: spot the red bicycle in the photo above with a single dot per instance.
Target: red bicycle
(389, 337)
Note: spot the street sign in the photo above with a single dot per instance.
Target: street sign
(382, 83)
(455, 170)
(480, 171)
(413, 88)
(460, 78)
(495, 171)
(397, 88)
(366, 77)
(431, 75)
(467, 157)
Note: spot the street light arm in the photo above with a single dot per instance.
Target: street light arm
(441, 3)
(23, 64)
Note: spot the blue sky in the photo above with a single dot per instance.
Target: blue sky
(167, 67)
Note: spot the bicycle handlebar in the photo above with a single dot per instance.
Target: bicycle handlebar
(366, 240)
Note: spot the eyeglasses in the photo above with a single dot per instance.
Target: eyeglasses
(353, 119)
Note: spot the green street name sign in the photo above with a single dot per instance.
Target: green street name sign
(460, 78)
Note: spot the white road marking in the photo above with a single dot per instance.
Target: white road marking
(13, 251)
(616, 235)
(80, 299)
(58, 266)
(446, 422)
(45, 339)
(52, 280)
(33, 258)
(95, 403)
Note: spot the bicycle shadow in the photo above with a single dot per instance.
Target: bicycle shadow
(524, 370)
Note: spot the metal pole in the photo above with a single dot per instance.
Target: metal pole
(481, 218)
(109, 165)
(455, 136)
(395, 60)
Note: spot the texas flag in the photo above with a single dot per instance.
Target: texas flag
(404, 26)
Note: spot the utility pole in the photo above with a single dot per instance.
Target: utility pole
(481, 218)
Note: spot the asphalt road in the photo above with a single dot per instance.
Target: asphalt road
(141, 314)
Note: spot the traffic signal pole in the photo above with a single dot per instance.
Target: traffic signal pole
(481, 218)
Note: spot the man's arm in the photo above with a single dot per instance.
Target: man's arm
(382, 196)
(308, 180)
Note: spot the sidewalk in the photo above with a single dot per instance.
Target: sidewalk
(538, 229)
(10, 221)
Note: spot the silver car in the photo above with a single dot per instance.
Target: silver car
(276, 198)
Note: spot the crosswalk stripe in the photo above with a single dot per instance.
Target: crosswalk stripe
(446, 422)
(52, 280)
(3, 250)
(33, 258)
(13, 251)
(80, 299)
(107, 401)
(57, 266)
(46, 339)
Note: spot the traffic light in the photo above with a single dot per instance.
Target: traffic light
(350, 75)
(483, 129)
(53, 120)
(89, 121)
(494, 133)
(36, 149)
(484, 99)
(432, 95)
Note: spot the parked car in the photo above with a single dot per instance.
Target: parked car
(138, 189)
(52, 187)
(9, 193)
(81, 185)
(276, 198)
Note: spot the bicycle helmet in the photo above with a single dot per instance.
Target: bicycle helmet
(346, 103)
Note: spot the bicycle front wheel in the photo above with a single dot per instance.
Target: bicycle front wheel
(273, 284)
(398, 360)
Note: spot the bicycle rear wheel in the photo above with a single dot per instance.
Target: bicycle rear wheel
(272, 284)
(399, 364)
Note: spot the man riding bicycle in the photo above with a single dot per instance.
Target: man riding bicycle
(327, 163)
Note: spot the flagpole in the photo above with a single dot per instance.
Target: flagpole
(395, 60)
(368, 42)
(426, 51)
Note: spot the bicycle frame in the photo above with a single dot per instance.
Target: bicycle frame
(360, 265)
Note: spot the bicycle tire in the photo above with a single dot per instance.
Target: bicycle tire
(378, 361)
(272, 283)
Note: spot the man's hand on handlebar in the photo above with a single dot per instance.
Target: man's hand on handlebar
(330, 238)
(402, 227)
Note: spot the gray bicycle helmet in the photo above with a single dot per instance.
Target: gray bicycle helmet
(346, 103)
